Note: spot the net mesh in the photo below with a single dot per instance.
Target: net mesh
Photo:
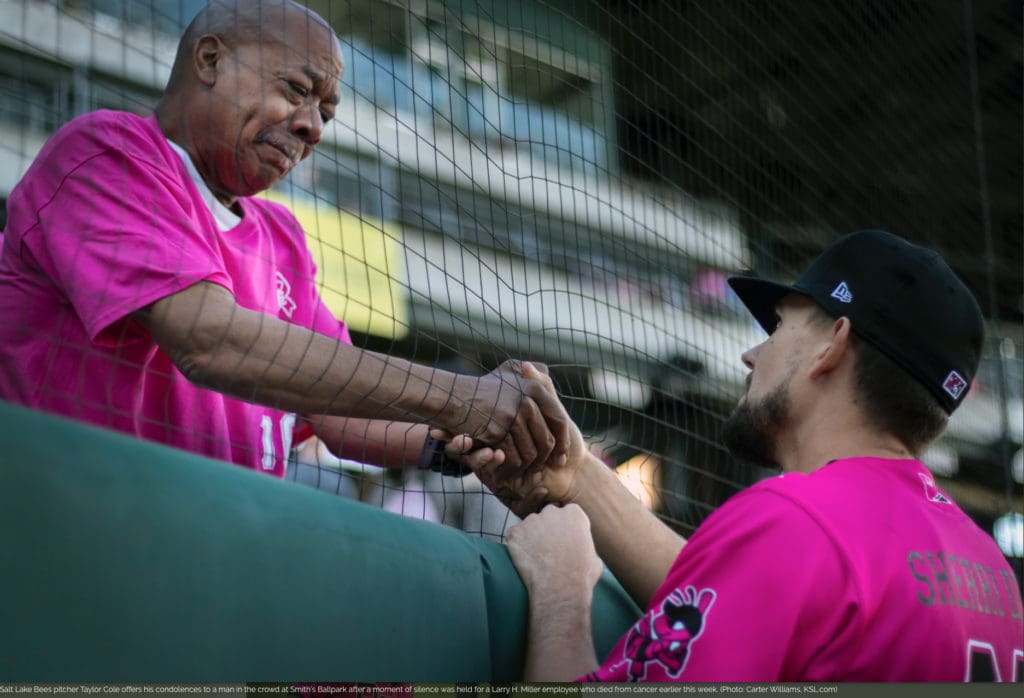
(572, 182)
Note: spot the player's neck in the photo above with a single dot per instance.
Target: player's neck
(836, 436)
(845, 444)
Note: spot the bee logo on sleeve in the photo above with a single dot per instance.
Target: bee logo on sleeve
(666, 636)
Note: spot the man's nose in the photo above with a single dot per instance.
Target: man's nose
(307, 124)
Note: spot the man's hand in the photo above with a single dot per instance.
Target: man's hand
(518, 414)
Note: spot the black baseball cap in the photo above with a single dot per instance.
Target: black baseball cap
(902, 298)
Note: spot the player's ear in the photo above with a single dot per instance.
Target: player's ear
(833, 348)
(206, 58)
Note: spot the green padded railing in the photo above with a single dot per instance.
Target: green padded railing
(122, 560)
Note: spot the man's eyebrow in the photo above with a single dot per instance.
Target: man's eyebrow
(319, 83)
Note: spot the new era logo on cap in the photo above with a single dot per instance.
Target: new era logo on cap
(842, 293)
(954, 385)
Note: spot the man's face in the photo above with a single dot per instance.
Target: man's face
(752, 432)
(271, 101)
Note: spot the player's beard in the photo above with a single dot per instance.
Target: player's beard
(751, 431)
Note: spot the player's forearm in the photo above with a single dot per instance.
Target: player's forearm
(636, 546)
(372, 441)
(560, 645)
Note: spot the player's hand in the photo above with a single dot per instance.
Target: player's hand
(553, 551)
(517, 414)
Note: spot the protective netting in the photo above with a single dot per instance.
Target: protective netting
(571, 183)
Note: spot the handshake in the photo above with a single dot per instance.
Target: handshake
(525, 488)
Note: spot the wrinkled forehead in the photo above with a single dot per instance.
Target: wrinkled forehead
(306, 32)
(293, 36)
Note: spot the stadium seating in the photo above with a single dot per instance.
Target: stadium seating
(128, 561)
(474, 109)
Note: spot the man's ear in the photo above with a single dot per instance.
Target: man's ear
(206, 58)
(831, 352)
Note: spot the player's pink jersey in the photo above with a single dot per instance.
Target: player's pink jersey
(105, 222)
(862, 571)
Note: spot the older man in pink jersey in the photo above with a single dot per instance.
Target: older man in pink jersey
(850, 566)
(142, 289)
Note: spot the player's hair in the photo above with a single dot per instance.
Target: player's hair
(897, 403)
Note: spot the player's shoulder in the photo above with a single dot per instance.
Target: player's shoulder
(796, 495)
(773, 507)
(849, 490)
(842, 478)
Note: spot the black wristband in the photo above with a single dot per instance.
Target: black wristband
(433, 458)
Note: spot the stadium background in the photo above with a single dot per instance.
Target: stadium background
(570, 182)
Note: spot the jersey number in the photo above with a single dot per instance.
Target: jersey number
(982, 664)
(287, 425)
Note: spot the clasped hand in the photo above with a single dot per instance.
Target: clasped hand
(526, 484)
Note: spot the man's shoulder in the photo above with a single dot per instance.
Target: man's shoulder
(106, 129)
(267, 207)
(90, 135)
(79, 146)
(274, 217)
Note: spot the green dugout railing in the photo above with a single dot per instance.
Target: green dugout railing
(125, 561)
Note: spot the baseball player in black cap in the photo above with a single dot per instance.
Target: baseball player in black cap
(852, 565)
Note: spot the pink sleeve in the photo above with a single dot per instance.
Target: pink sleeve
(733, 605)
(324, 322)
(119, 234)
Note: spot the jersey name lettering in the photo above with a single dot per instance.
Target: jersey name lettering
(948, 580)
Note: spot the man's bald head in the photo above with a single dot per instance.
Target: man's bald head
(247, 21)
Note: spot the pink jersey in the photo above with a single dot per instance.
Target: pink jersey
(105, 222)
(862, 571)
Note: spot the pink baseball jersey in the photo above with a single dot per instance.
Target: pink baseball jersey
(105, 222)
(861, 571)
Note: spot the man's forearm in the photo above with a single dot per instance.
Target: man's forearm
(276, 363)
(372, 441)
(638, 547)
(257, 358)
